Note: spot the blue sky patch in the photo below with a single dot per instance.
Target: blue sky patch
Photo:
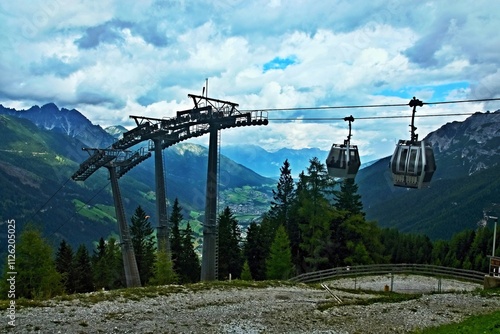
(279, 63)
(440, 92)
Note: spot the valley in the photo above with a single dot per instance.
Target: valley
(39, 153)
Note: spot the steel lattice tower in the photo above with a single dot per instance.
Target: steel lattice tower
(208, 116)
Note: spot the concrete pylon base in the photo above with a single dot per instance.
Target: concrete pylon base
(491, 281)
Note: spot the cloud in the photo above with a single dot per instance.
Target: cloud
(60, 67)
(110, 59)
(108, 32)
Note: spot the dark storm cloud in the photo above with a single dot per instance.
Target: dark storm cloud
(108, 32)
(111, 33)
(151, 33)
(54, 65)
(99, 98)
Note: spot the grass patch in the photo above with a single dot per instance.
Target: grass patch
(495, 292)
(100, 213)
(239, 284)
(23, 302)
(150, 195)
(381, 297)
(485, 323)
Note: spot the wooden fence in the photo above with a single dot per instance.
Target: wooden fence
(382, 269)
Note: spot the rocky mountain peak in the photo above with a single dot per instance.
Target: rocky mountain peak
(473, 143)
(116, 131)
(70, 122)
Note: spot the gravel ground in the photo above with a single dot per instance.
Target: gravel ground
(286, 309)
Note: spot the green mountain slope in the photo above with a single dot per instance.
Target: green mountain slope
(36, 166)
(447, 207)
(465, 183)
(35, 170)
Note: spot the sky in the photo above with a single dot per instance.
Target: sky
(113, 59)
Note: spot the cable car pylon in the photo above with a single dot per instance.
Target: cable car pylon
(117, 162)
(343, 160)
(412, 163)
(208, 116)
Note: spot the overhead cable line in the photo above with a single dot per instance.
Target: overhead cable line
(464, 101)
(80, 208)
(367, 117)
(321, 119)
(367, 105)
(50, 198)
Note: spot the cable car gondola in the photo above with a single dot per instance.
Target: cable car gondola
(412, 163)
(343, 160)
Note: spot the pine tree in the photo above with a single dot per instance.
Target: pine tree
(356, 241)
(163, 271)
(114, 260)
(279, 263)
(348, 198)
(175, 234)
(99, 267)
(315, 214)
(283, 211)
(460, 245)
(255, 252)
(189, 263)
(230, 259)
(64, 266)
(106, 265)
(283, 197)
(84, 280)
(143, 242)
(481, 245)
(246, 275)
(37, 276)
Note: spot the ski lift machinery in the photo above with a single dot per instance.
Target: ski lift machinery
(412, 163)
(343, 160)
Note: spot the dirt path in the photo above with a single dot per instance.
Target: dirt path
(286, 309)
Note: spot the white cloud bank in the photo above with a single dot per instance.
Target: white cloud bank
(112, 59)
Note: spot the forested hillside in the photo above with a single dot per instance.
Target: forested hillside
(464, 185)
(36, 165)
(313, 224)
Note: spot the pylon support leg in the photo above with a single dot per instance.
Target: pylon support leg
(132, 277)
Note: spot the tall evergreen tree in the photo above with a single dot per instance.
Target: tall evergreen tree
(114, 260)
(64, 266)
(84, 280)
(176, 242)
(283, 197)
(99, 267)
(460, 245)
(163, 270)
(283, 211)
(143, 242)
(315, 213)
(37, 276)
(481, 245)
(106, 265)
(357, 241)
(279, 263)
(255, 252)
(348, 198)
(189, 263)
(230, 257)
(246, 275)
(439, 251)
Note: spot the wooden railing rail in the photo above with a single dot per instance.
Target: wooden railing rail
(382, 269)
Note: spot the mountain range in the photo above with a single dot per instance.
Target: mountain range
(38, 157)
(269, 163)
(465, 184)
(41, 148)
